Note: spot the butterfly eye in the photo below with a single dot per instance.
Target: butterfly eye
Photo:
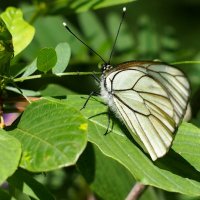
(103, 67)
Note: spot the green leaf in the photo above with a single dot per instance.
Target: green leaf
(46, 59)
(90, 165)
(187, 143)
(102, 177)
(6, 47)
(52, 134)
(31, 187)
(23, 91)
(30, 69)
(5, 196)
(21, 31)
(18, 194)
(151, 193)
(55, 90)
(63, 55)
(10, 150)
(81, 6)
(171, 173)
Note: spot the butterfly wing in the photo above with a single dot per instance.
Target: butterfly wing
(176, 85)
(146, 104)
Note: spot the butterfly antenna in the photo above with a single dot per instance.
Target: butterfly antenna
(122, 18)
(67, 27)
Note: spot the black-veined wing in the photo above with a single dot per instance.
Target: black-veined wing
(151, 99)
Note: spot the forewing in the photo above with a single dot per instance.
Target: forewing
(146, 110)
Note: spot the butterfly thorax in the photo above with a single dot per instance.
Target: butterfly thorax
(106, 69)
(106, 93)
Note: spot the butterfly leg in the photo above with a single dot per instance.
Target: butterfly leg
(97, 79)
(90, 95)
(93, 92)
(109, 129)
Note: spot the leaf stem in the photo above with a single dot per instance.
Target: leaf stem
(136, 191)
(21, 79)
(186, 62)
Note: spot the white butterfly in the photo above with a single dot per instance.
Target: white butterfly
(150, 98)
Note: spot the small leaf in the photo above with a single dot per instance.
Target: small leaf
(52, 134)
(46, 59)
(10, 150)
(21, 31)
(63, 55)
(30, 69)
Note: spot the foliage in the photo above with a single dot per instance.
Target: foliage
(45, 73)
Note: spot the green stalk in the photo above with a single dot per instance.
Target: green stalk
(21, 79)
(186, 62)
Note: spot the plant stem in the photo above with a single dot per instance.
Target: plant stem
(136, 191)
(21, 79)
(186, 62)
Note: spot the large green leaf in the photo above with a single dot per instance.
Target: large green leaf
(21, 31)
(10, 150)
(52, 134)
(171, 173)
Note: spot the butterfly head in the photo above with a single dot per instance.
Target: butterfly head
(106, 67)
